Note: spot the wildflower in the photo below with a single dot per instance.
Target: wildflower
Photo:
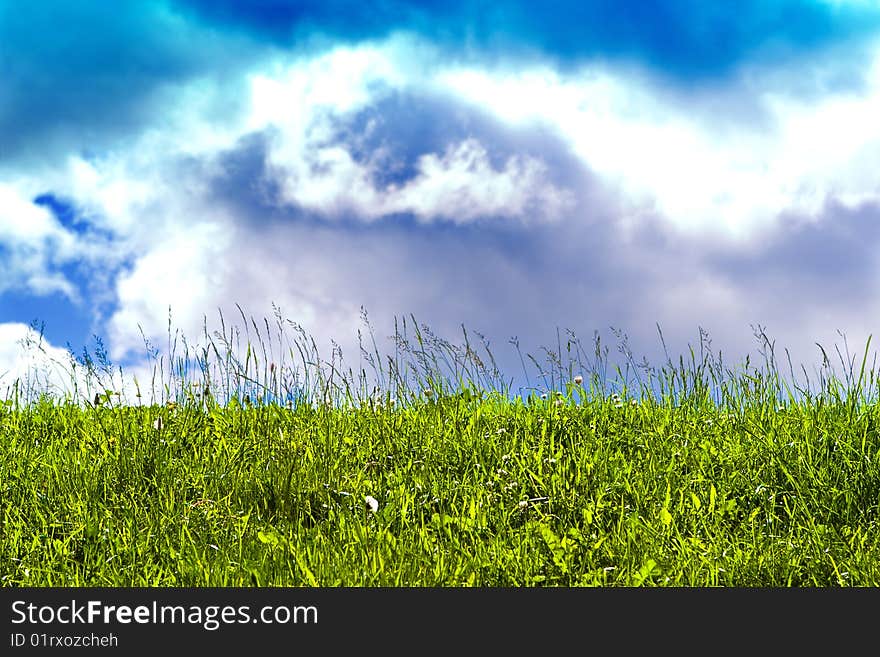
(523, 504)
(558, 402)
(543, 395)
(634, 402)
(372, 503)
(578, 379)
(158, 425)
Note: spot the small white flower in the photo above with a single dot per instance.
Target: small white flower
(523, 504)
(578, 379)
(372, 503)
(544, 395)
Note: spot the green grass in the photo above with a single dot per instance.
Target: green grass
(686, 475)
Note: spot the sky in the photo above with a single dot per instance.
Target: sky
(516, 168)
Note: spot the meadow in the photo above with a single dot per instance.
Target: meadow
(250, 460)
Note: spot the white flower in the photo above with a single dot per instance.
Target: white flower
(372, 503)
(578, 379)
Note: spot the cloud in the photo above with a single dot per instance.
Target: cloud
(78, 78)
(513, 202)
(32, 362)
(31, 242)
(704, 168)
(186, 271)
(459, 185)
(684, 40)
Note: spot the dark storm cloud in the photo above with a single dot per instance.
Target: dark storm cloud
(825, 262)
(79, 76)
(684, 38)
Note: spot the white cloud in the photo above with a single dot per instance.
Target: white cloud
(187, 268)
(300, 104)
(461, 186)
(31, 361)
(701, 170)
(32, 240)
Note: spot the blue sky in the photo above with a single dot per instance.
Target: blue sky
(509, 166)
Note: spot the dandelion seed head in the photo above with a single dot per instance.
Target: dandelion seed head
(372, 503)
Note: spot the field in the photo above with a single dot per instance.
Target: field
(421, 468)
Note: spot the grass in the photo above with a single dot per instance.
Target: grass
(252, 461)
